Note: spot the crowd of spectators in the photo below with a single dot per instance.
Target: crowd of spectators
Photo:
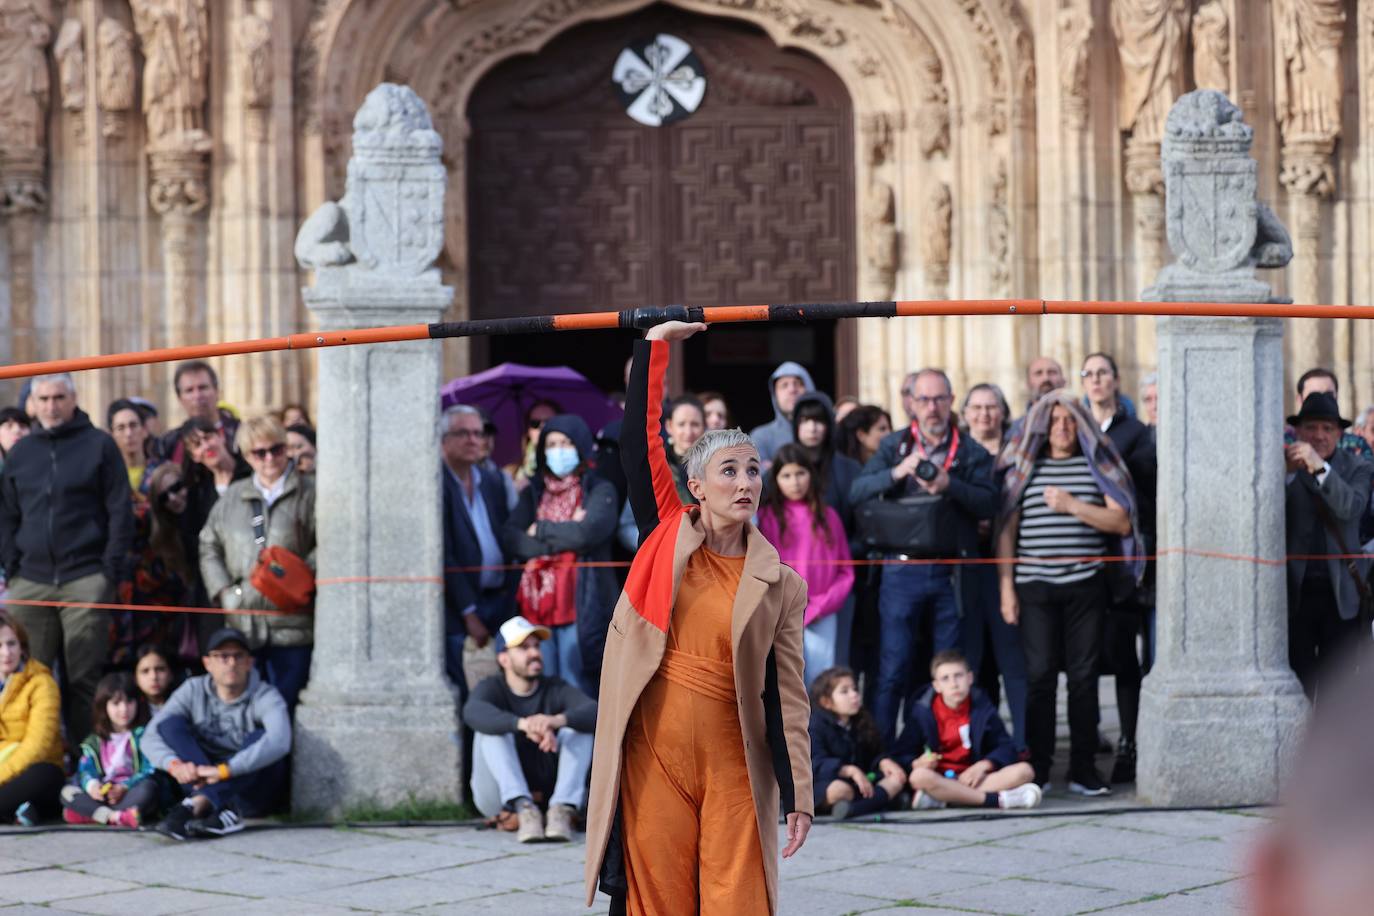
(957, 561)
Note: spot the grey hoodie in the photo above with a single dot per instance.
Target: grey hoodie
(772, 436)
(220, 727)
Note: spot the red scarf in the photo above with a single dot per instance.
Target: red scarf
(548, 587)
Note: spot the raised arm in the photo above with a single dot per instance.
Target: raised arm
(653, 495)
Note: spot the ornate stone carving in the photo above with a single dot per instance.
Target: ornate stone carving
(390, 224)
(253, 52)
(1075, 25)
(70, 51)
(308, 52)
(116, 75)
(22, 190)
(1212, 47)
(881, 252)
(1151, 37)
(999, 232)
(25, 31)
(1218, 231)
(1307, 60)
(932, 117)
(1307, 169)
(937, 226)
(177, 183)
(175, 38)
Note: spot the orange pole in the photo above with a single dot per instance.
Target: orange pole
(713, 314)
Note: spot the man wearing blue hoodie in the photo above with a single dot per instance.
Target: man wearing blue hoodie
(787, 383)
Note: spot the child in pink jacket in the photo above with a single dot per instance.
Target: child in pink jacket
(810, 538)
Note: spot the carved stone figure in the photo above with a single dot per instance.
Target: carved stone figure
(1212, 47)
(1217, 230)
(932, 117)
(1151, 36)
(1307, 59)
(115, 75)
(253, 42)
(1075, 23)
(999, 231)
(937, 226)
(390, 224)
(880, 208)
(70, 51)
(25, 31)
(175, 37)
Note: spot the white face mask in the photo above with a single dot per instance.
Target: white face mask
(561, 461)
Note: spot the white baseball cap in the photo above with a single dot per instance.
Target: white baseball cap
(516, 630)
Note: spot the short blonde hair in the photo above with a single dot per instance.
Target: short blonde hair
(262, 428)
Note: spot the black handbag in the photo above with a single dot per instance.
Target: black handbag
(1362, 587)
(919, 526)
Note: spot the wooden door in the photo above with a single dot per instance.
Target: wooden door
(575, 206)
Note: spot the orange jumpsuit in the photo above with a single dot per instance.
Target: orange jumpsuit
(691, 834)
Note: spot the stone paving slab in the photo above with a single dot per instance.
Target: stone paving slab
(1095, 857)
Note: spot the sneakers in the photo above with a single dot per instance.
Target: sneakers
(129, 818)
(1089, 784)
(840, 810)
(1027, 796)
(1124, 768)
(925, 802)
(559, 828)
(174, 825)
(71, 817)
(222, 823)
(531, 822)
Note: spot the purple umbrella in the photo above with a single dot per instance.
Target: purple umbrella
(507, 391)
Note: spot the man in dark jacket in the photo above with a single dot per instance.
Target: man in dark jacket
(957, 492)
(66, 525)
(477, 600)
(1326, 492)
(534, 738)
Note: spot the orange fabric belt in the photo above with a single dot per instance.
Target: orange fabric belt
(705, 676)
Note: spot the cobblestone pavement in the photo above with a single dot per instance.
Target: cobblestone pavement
(1068, 856)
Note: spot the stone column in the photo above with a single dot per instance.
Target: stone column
(1219, 713)
(377, 680)
(23, 196)
(178, 192)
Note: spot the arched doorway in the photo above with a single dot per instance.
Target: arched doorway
(576, 206)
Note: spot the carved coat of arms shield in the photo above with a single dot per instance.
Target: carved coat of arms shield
(1212, 211)
(397, 213)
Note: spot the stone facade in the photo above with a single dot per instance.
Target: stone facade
(156, 157)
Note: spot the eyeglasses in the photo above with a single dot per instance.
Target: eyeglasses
(229, 658)
(174, 489)
(1095, 373)
(924, 401)
(276, 451)
(536, 422)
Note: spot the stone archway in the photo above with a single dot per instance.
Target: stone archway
(943, 101)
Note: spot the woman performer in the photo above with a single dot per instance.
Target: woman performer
(702, 723)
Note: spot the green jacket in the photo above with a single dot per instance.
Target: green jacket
(90, 766)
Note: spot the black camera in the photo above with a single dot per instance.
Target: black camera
(926, 470)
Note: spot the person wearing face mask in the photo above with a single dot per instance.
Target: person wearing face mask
(565, 517)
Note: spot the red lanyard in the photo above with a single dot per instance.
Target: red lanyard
(921, 449)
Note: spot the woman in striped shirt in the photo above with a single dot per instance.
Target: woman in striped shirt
(1062, 512)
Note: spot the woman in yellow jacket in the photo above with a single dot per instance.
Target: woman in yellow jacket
(30, 734)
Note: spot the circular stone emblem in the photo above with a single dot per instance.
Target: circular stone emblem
(660, 80)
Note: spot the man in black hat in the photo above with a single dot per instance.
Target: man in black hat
(1327, 489)
(224, 737)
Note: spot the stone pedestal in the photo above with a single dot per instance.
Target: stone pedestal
(378, 723)
(1220, 711)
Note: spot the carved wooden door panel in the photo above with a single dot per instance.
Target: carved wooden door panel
(574, 206)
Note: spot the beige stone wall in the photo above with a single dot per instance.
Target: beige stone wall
(157, 155)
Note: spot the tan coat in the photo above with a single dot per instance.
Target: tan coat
(766, 636)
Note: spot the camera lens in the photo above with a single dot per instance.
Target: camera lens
(926, 470)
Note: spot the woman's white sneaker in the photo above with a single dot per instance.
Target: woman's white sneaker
(1027, 796)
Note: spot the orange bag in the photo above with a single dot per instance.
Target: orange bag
(280, 576)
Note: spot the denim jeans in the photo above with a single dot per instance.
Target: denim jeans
(818, 645)
(498, 778)
(286, 668)
(255, 794)
(908, 593)
(562, 655)
(983, 618)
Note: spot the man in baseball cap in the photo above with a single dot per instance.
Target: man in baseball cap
(533, 738)
(223, 737)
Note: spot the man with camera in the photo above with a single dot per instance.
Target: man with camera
(920, 498)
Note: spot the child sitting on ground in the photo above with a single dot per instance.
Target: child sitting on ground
(845, 746)
(155, 673)
(114, 780)
(957, 749)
